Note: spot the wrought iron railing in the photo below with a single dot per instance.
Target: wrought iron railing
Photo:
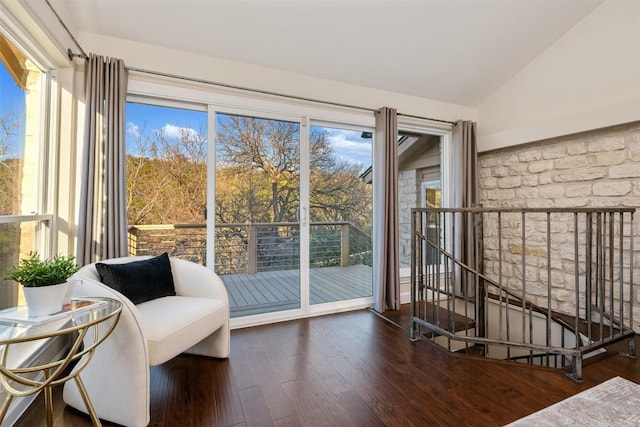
(257, 247)
(528, 284)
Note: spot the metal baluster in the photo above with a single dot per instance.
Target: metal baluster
(415, 277)
(577, 276)
(612, 315)
(548, 282)
(588, 272)
(631, 341)
(500, 290)
(524, 280)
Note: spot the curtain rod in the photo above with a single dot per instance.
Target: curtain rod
(246, 89)
(259, 91)
(70, 54)
(266, 92)
(83, 55)
(281, 95)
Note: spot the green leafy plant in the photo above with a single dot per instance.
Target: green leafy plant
(33, 271)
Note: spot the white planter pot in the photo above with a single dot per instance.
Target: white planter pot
(43, 300)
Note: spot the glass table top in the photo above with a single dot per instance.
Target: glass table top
(17, 325)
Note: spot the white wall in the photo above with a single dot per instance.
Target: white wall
(180, 63)
(588, 79)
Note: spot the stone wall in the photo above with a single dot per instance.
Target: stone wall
(407, 200)
(593, 169)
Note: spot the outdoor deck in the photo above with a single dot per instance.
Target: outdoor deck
(271, 291)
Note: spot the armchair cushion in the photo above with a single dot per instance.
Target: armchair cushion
(140, 281)
(177, 323)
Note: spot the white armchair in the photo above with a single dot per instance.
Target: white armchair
(196, 321)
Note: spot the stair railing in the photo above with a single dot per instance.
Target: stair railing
(531, 283)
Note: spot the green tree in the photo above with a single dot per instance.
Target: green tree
(167, 178)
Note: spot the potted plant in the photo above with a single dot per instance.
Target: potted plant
(44, 281)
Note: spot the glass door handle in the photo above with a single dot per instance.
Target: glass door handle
(302, 215)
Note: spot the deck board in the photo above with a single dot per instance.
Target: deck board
(271, 291)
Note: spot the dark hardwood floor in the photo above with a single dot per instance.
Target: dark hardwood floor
(348, 369)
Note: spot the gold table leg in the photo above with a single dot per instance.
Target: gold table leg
(5, 406)
(54, 371)
(48, 399)
(87, 401)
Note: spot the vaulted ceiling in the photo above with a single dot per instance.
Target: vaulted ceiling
(457, 51)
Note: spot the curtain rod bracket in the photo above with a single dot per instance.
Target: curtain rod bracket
(72, 55)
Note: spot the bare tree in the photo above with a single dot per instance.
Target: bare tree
(257, 176)
(271, 146)
(10, 166)
(10, 199)
(9, 125)
(249, 144)
(338, 193)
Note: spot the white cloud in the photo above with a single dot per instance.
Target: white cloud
(133, 129)
(172, 131)
(350, 147)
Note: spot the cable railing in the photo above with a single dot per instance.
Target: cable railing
(256, 247)
(524, 284)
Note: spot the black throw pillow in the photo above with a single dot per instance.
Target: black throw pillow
(140, 281)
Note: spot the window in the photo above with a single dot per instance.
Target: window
(431, 198)
(166, 181)
(24, 223)
(431, 194)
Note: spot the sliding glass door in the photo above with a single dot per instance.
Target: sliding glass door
(340, 207)
(276, 203)
(257, 206)
(292, 213)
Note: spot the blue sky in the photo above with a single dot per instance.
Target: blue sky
(149, 119)
(12, 101)
(350, 146)
(347, 145)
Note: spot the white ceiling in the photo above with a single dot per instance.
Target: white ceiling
(449, 50)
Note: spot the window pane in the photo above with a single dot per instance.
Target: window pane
(341, 215)
(20, 125)
(17, 239)
(167, 181)
(20, 163)
(257, 236)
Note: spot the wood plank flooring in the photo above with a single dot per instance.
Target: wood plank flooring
(347, 369)
(270, 291)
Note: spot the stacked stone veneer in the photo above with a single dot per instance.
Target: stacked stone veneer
(407, 199)
(594, 169)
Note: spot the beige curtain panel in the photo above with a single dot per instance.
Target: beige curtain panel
(385, 204)
(102, 225)
(465, 195)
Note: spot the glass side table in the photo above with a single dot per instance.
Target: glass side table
(92, 318)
